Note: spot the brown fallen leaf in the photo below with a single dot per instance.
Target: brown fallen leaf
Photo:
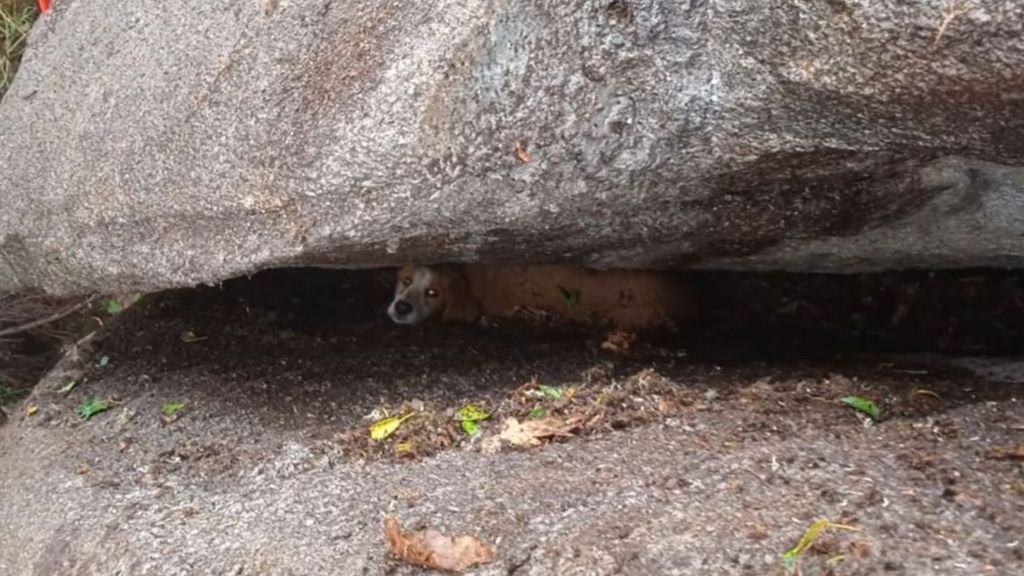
(619, 341)
(431, 549)
(521, 152)
(1007, 453)
(532, 432)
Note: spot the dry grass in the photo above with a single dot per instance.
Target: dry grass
(16, 18)
(32, 329)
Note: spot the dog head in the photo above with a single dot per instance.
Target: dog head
(423, 293)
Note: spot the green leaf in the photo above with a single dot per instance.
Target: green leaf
(92, 407)
(119, 303)
(171, 408)
(571, 295)
(552, 392)
(537, 413)
(472, 413)
(470, 427)
(104, 361)
(469, 415)
(808, 538)
(114, 307)
(67, 388)
(383, 428)
(789, 559)
(864, 405)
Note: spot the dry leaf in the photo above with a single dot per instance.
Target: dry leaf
(189, 337)
(31, 409)
(619, 341)
(521, 152)
(1007, 453)
(531, 432)
(490, 445)
(925, 392)
(431, 549)
(405, 449)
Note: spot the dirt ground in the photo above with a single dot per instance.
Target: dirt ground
(711, 453)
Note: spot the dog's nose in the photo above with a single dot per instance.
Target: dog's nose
(403, 308)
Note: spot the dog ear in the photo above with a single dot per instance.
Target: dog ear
(459, 305)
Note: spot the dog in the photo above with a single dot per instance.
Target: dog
(623, 299)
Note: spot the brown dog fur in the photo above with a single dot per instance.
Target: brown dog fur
(627, 299)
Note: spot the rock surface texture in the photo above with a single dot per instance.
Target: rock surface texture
(164, 144)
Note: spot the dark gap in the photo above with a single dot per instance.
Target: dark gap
(313, 350)
(975, 312)
(742, 315)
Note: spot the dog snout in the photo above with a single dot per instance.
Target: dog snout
(403, 308)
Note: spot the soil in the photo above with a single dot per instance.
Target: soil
(710, 452)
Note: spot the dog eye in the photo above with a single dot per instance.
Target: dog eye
(431, 293)
(406, 281)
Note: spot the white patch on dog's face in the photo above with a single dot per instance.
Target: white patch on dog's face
(417, 296)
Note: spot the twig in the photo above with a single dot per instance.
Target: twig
(51, 318)
(755, 475)
(957, 9)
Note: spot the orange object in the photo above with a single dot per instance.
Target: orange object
(44, 6)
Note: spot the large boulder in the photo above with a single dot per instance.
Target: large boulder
(154, 144)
